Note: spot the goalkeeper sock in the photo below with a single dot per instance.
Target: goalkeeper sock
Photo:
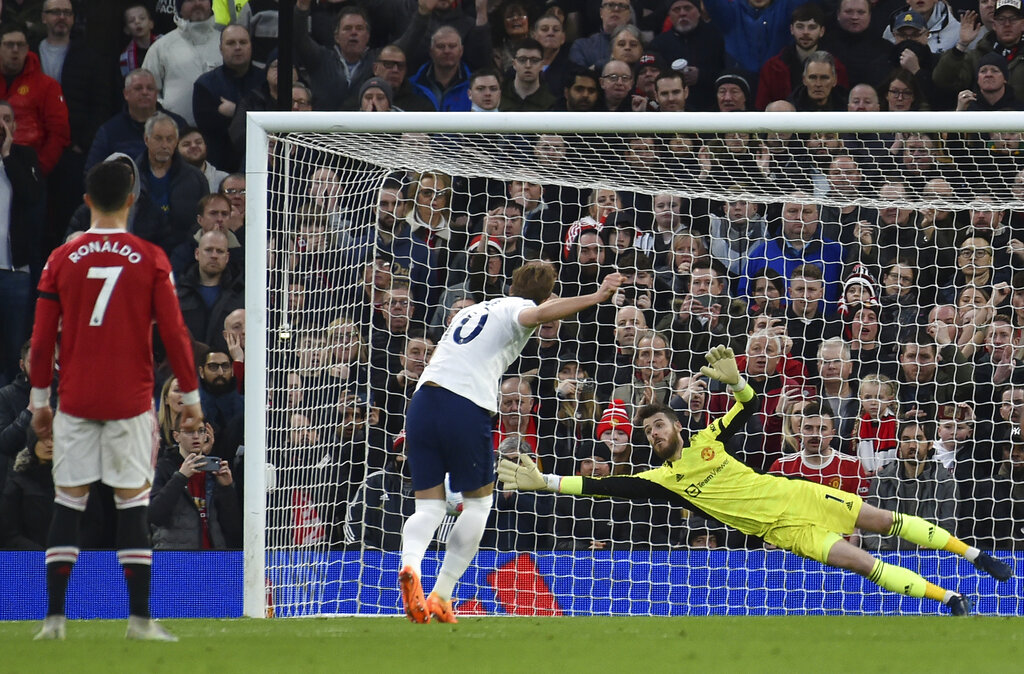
(419, 531)
(920, 532)
(62, 548)
(134, 550)
(463, 542)
(905, 581)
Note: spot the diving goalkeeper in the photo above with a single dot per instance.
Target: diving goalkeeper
(803, 517)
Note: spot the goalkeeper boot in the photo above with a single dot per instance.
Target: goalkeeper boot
(412, 596)
(147, 629)
(53, 628)
(996, 568)
(440, 609)
(959, 605)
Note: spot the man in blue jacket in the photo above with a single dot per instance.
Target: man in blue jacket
(444, 80)
(754, 30)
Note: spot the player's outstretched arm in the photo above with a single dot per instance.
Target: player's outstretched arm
(567, 306)
(722, 367)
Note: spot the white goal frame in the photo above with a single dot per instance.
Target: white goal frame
(260, 124)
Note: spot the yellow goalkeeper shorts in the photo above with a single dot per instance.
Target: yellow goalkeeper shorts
(816, 517)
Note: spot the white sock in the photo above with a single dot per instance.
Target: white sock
(463, 542)
(419, 531)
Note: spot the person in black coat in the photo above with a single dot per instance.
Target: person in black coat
(27, 501)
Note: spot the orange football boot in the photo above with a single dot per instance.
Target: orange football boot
(440, 609)
(412, 596)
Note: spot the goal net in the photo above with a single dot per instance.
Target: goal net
(870, 262)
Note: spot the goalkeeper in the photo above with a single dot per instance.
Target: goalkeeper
(806, 518)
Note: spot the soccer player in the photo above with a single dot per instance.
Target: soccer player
(448, 425)
(103, 291)
(803, 517)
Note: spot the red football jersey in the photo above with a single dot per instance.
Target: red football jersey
(842, 472)
(103, 291)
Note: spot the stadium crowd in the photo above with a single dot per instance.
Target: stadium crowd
(899, 330)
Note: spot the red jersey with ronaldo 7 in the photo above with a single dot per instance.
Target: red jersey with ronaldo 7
(103, 291)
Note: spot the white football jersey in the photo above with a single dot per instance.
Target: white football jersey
(477, 348)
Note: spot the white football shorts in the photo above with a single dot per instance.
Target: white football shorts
(116, 452)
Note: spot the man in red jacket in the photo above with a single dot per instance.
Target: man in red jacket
(37, 99)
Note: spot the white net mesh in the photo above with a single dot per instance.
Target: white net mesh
(874, 271)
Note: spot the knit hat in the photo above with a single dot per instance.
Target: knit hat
(993, 59)
(493, 247)
(614, 417)
(862, 276)
(737, 78)
(377, 82)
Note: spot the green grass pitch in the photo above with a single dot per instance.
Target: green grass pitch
(819, 644)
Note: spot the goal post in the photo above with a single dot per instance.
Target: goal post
(323, 409)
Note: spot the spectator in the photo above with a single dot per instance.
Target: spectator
(876, 429)
(474, 34)
(596, 49)
(192, 148)
(549, 31)
(863, 97)
(651, 370)
(807, 323)
(20, 248)
(526, 91)
(958, 65)
(217, 93)
(124, 131)
(617, 369)
(615, 431)
(583, 91)
(209, 290)
(444, 80)
(732, 92)
(820, 90)
(736, 232)
(703, 317)
(817, 459)
(800, 242)
(523, 524)
(517, 415)
(388, 341)
(233, 187)
(954, 441)
(617, 84)
(586, 523)
(754, 30)
(901, 299)
(194, 507)
(976, 269)
(670, 91)
(173, 186)
(334, 71)
(138, 24)
(853, 41)
(375, 95)
(697, 42)
(181, 56)
(922, 378)
(219, 394)
(36, 98)
(781, 74)
(915, 483)
(943, 28)
(168, 412)
(484, 91)
(690, 402)
(902, 92)
(872, 348)
(214, 210)
(401, 385)
(26, 504)
(838, 388)
(14, 415)
(992, 92)
(510, 23)
(627, 44)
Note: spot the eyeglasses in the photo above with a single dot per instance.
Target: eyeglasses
(201, 433)
(234, 190)
(976, 253)
(901, 93)
(528, 60)
(616, 6)
(226, 367)
(898, 277)
(59, 12)
(617, 78)
(1006, 19)
(516, 17)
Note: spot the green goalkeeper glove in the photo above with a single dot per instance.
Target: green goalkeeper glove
(722, 367)
(522, 475)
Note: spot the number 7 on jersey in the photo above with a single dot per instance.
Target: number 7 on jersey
(109, 276)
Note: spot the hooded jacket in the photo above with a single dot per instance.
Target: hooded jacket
(42, 115)
(179, 58)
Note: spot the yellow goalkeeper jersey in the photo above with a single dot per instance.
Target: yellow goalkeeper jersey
(708, 477)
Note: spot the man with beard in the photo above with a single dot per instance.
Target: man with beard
(583, 92)
(780, 74)
(698, 43)
(805, 518)
(218, 394)
(192, 148)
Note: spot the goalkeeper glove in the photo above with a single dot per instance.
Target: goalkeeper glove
(722, 367)
(522, 475)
